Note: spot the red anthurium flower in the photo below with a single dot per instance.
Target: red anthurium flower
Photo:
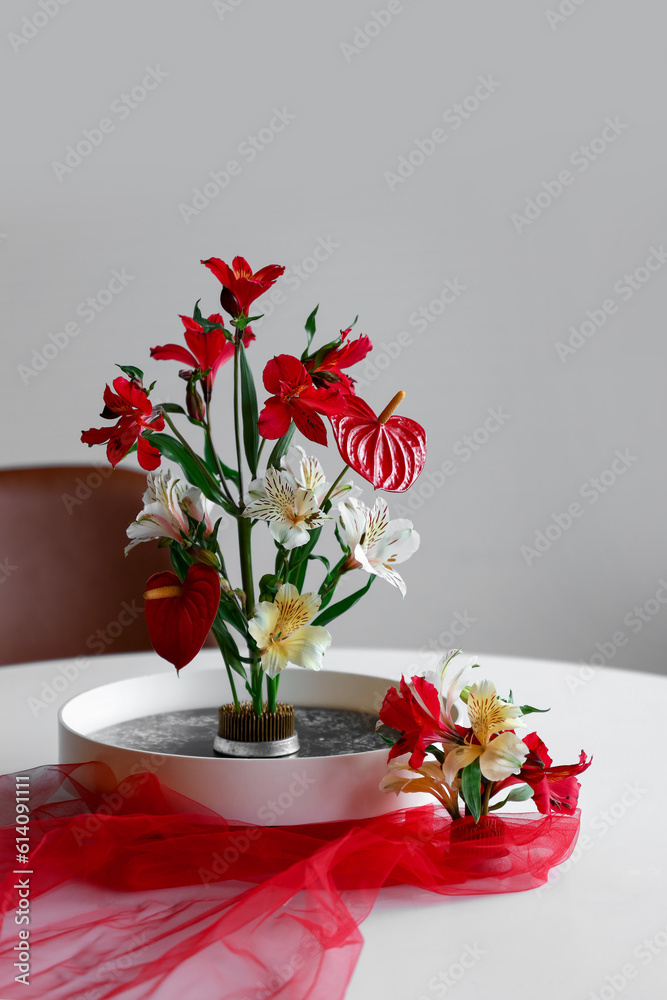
(387, 451)
(295, 398)
(240, 280)
(179, 615)
(135, 413)
(415, 712)
(206, 350)
(344, 355)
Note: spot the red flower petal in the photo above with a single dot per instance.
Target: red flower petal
(97, 435)
(282, 369)
(389, 455)
(148, 455)
(274, 420)
(174, 352)
(178, 625)
(309, 422)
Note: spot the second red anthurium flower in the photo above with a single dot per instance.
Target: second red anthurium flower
(131, 405)
(295, 398)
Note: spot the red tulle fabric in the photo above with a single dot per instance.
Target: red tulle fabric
(141, 893)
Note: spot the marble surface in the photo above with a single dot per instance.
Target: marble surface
(323, 732)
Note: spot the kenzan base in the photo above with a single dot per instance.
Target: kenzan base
(274, 791)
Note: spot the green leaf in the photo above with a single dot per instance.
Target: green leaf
(179, 561)
(437, 752)
(322, 352)
(249, 412)
(171, 408)
(322, 559)
(338, 609)
(135, 373)
(310, 331)
(280, 448)
(527, 709)
(229, 611)
(228, 647)
(518, 794)
(228, 473)
(206, 325)
(471, 788)
(196, 474)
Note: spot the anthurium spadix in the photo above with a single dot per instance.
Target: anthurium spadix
(389, 451)
(179, 615)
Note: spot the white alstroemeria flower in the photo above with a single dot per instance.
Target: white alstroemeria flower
(282, 632)
(167, 502)
(376, 543)
(307, 473)
(499, 755)
(453, 678)
(292, 512)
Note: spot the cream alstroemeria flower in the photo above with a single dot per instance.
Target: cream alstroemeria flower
(307, 473)
(167, 503)
(376, 543)
(499, 755)
(282, 632)
(428, 778)
(292, 512)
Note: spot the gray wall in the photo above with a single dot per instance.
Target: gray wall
(356, 104)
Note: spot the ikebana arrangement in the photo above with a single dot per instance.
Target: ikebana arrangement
(464, 749)
(281, 618)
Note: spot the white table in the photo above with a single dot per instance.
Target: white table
(598, 930)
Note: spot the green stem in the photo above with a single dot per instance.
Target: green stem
(245, 557)
(485, 800)
(238, 347)
(261, 449)
(230, 675)
(272, 692)
(185, 444)
(209, 438)
(334, 485)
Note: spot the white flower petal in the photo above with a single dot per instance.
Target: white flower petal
(503, 756)
(274, 660)
(291, 536)
(307, 646)
(459, 757)
(263, 623)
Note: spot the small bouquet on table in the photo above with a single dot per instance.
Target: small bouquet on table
(457, 741)
(260, 624)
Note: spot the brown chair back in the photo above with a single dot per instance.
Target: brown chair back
(66, 587)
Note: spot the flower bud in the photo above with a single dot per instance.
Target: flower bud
(229, 302)
(194, 404)
(204, 556)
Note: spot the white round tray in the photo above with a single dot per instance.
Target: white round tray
(277, 791)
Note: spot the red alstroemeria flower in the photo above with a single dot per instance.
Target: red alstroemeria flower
(344, 355)
(130, 403)
(388, 451)
(179, 615)
(553, 787)
(294, 397)
(240, 280)
(207, 350)
(416, 713)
